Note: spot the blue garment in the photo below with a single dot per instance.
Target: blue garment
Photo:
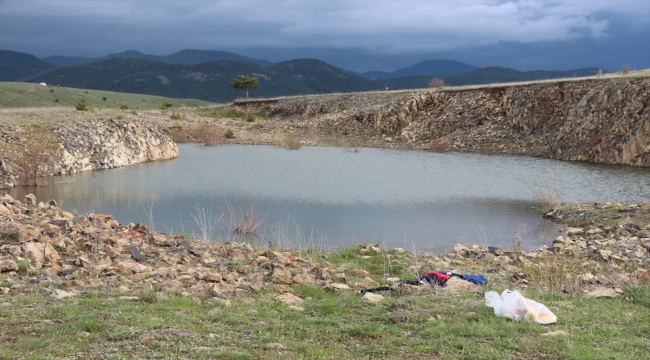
(473, 278)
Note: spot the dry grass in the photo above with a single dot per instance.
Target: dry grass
(209, 134)
(290, 141)
(245, 223)
(548, 197)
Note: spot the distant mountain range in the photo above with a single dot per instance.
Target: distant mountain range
(187, 56)
(427, 67)
(206, 75)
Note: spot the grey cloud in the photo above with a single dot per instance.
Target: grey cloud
(389, 28)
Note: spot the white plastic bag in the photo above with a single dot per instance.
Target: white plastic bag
(512, 305)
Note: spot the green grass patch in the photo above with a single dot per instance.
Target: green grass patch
(333, 325)
(28, 95)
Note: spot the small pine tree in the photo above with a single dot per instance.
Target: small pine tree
(244, 82)
(81, 104)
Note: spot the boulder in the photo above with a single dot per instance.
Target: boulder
(8, 265)
(372, 298)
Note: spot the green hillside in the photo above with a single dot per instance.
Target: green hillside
(323, 77)
(16, 65)
(207, 81)
(210, 81)
(17, 94)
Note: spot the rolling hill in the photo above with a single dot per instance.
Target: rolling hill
(192, 74)
(210, 81)
(16, 65)
(427, 67)
(186, 56)
(18, 94)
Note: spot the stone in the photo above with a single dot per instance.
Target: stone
(280, 275)
(32, 250)
(50, 254)
(127, 267)
(338, 286)
(223, 302)
(213, 277)
(8, 265)
(570, 231)
(137, 255)
(368, 282)
(4, 210)
(458, 285)
(296, 308)
(372, 298)
(222, 289)
(30, 199)
(602, 292)
(360, 273)
(587, 278)
(398, 319)
(303, 278)
(61, 294)
(289, 299)
(274, 346)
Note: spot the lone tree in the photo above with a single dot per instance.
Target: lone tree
(243, 82)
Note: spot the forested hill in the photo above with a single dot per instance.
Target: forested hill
(186, 56)
(210, 81)
(16, 65)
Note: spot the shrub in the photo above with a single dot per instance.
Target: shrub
(166, 105)
(23, 266)
(344, 106)
(51, 90)
(345, 132)
(437, 145)
(103, 98)
(291, 142)
(124, 107)
(229, 134)
(626, 69)
(56, 100)
(120, 117)
(35, 157)
(436, 83)
(175, 116)
(81, 104)
(207, 134)
(250, 118)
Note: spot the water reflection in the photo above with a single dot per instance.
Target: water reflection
(397, 198)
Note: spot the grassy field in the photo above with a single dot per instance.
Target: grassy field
(426, 324)
(21, 95)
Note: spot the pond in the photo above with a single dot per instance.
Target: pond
(334, 197)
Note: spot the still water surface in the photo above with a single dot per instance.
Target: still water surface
(333, 197)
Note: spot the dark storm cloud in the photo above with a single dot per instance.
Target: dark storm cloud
(366, 33)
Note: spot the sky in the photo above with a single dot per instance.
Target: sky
(359, 35)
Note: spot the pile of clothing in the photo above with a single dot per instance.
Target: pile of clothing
(433, 278)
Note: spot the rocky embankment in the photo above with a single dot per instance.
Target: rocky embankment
(69, 254)
(91, 145)
(594, 120)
